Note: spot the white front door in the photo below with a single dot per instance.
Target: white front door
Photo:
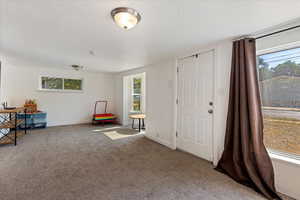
(195, 105)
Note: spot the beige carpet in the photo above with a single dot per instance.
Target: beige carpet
(93, 163)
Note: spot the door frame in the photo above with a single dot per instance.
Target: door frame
(176, 96)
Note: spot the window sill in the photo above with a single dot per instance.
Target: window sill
(284, 159)
(60, 91)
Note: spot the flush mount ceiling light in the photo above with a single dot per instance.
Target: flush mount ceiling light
(126, 18)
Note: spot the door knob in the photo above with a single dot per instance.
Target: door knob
(210, 111)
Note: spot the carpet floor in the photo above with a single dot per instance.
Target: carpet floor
(85, 162)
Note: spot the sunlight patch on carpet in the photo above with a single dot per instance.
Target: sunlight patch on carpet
(105, 129)
(114, 135)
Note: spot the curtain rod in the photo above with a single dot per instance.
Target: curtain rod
(276, 32)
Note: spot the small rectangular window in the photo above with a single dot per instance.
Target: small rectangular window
(56, 84)
(136, 103)
(72, 84)
(52, 83)
(136, 94)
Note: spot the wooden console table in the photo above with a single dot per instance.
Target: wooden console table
(9, 121)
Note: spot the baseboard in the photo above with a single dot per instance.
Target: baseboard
(160, 141)
(73, 124)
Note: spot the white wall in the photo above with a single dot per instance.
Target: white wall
(221, 97)
(287, 172)
(287, 176)
(278, 39)
(20, 82)
(160, 100)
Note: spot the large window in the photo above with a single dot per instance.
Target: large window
(279, 78)
(136, 94)
(57, 84)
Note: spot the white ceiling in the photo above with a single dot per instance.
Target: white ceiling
(64, 31)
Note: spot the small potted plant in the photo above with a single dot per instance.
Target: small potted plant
(31, 105)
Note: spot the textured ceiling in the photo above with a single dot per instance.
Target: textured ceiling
(63, 32)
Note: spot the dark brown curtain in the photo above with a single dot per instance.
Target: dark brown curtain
(245, 158)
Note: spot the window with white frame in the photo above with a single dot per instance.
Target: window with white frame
(279, 80)
(57, 84)
(136, 94)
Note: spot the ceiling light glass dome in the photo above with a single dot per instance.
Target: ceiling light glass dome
(126, 18)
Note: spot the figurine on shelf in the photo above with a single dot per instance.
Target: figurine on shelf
(5, 107)
(4, 104)
(31, 105)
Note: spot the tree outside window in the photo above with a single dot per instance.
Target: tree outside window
(136, 94)
(55, 83)
(279, 78)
